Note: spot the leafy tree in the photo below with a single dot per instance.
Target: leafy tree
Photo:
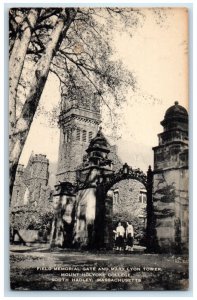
(73, 43)
(32, 217)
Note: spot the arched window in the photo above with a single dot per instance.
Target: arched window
(116, 197)
(64, 137)
(26, 197)
(90, 136)
(68, 133)
(142, 197)
(78, 134)
(84, 136)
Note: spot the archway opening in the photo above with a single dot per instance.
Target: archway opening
(129, 201)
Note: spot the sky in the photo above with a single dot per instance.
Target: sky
(157, 55)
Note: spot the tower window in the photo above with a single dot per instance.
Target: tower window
(90, 136)
(84, 136)
(78, 134)
(116, 197)
(142, 197)
(68, 135)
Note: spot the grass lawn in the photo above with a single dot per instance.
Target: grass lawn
(32, 268)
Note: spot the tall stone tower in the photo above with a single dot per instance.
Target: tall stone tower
(31, 183)
(78, 122)
(170, 190)
(35, 178)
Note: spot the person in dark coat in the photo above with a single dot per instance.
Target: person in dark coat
(129, 237)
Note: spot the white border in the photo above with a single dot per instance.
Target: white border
(4, 156)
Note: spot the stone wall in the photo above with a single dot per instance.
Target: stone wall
(170, 199)
(128, 200)
(85, 216)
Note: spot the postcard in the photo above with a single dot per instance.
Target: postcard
(98, 148)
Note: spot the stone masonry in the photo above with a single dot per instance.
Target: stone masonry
(78, 125)
(170, 192)
(31, 183)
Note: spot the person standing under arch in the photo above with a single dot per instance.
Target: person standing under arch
(119, 236)
(129, 237)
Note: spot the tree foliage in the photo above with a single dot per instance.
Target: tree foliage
(73, 43)
(30, 217)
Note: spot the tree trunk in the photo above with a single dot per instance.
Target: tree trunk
(17, 59)
(39, 77)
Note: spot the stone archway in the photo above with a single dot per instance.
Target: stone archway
(90, 198)
(129, 205)
(103, 219)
